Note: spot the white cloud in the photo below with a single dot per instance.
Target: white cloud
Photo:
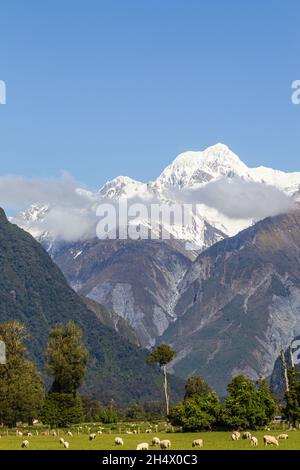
(239, 199)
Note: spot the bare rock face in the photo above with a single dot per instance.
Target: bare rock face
(136, 280)
(239, 303)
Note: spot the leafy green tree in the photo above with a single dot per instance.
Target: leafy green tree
(110, 415)
(62, 409)
(196, 414)
(135, 412)
(266, 401)
(292, 398)
(163, 355)
(21, 387)
(66, 358)
(195, 386)
(248, 406)
(92, 409)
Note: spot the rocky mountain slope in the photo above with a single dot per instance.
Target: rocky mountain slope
(135, 279)
(34, 291)
(239, 303)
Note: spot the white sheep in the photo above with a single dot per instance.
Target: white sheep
(142, 446)
(66, 445)
(270, 440)
(92, 436)
(99, 432)
(197, 443)
(129, 432)
(54, 433)
(254, 441)
(148, 431)
(19, 433)
(283, 436)
(155, 441)
(61, 440)
(246, 435)
(165, 444)
(28, 434)
(25, 444)
(69, 433)
(119, 441)
(236, 435)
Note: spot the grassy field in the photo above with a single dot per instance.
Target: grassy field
(180, 441)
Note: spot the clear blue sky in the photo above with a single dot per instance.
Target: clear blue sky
(100, 88)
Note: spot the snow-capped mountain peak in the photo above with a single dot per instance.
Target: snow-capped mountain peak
(194, 168)
(122, 186)
(190, 170)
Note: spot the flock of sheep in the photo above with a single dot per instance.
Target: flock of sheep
(165, 443)
(268, 440)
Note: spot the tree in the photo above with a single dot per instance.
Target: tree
(292, 398)
(266, 401)
(92, 409)
(195, 386)
(163, 355)
(248, 406)
(66, 358)
(62, 410)
(110, 414)
(21, 387)
(196, 414)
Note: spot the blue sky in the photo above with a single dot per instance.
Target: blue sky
(102, 88)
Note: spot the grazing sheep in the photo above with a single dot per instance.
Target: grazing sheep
(283, 436)
(197, 443)
(69, 433)
(148, 431)
(66, 445)
(99, 432)
(165, 444)
(119, 441)
(236, 434)
(54, 433)
(92, 437)
(142, 446)
(25, 444)
(129, 432)
(19, 433)
(61, 440)
(233, 437)
(246, 435)
(28, 434)
(135, 431)
(270, 440)
(155, 441)
(254, 441)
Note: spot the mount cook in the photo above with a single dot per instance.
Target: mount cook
(166, 292)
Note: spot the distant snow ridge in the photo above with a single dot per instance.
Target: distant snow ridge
(190, 170)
